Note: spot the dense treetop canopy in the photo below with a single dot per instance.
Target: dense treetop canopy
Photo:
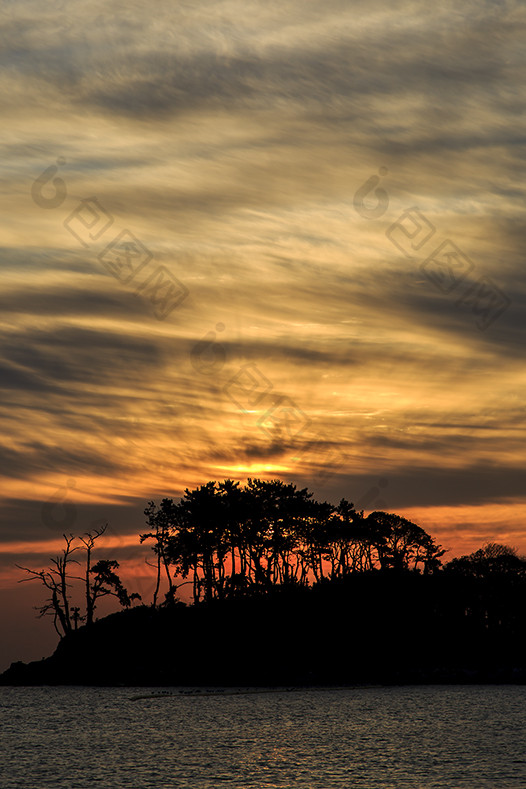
(228, 539)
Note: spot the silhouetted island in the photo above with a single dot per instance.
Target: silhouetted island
(288, 591)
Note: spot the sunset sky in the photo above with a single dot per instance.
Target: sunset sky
(258, 239)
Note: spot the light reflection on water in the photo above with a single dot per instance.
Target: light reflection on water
(431, 737)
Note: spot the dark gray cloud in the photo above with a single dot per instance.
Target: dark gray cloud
(70, 355)
(231, 141)
(449, 59)
(41, 520)
(418, 486)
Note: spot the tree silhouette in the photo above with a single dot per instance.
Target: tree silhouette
(265, 557)
(160, 522)
(99, 580)
(56, 580)
(230, 540)
(492, 558)
(490, 582)
(107, 582)
(401, 544)
(88, 540)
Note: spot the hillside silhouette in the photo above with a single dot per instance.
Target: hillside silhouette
(286, 590)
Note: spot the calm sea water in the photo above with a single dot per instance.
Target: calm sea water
(367, 738)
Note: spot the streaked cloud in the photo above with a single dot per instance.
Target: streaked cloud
(230, 139)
